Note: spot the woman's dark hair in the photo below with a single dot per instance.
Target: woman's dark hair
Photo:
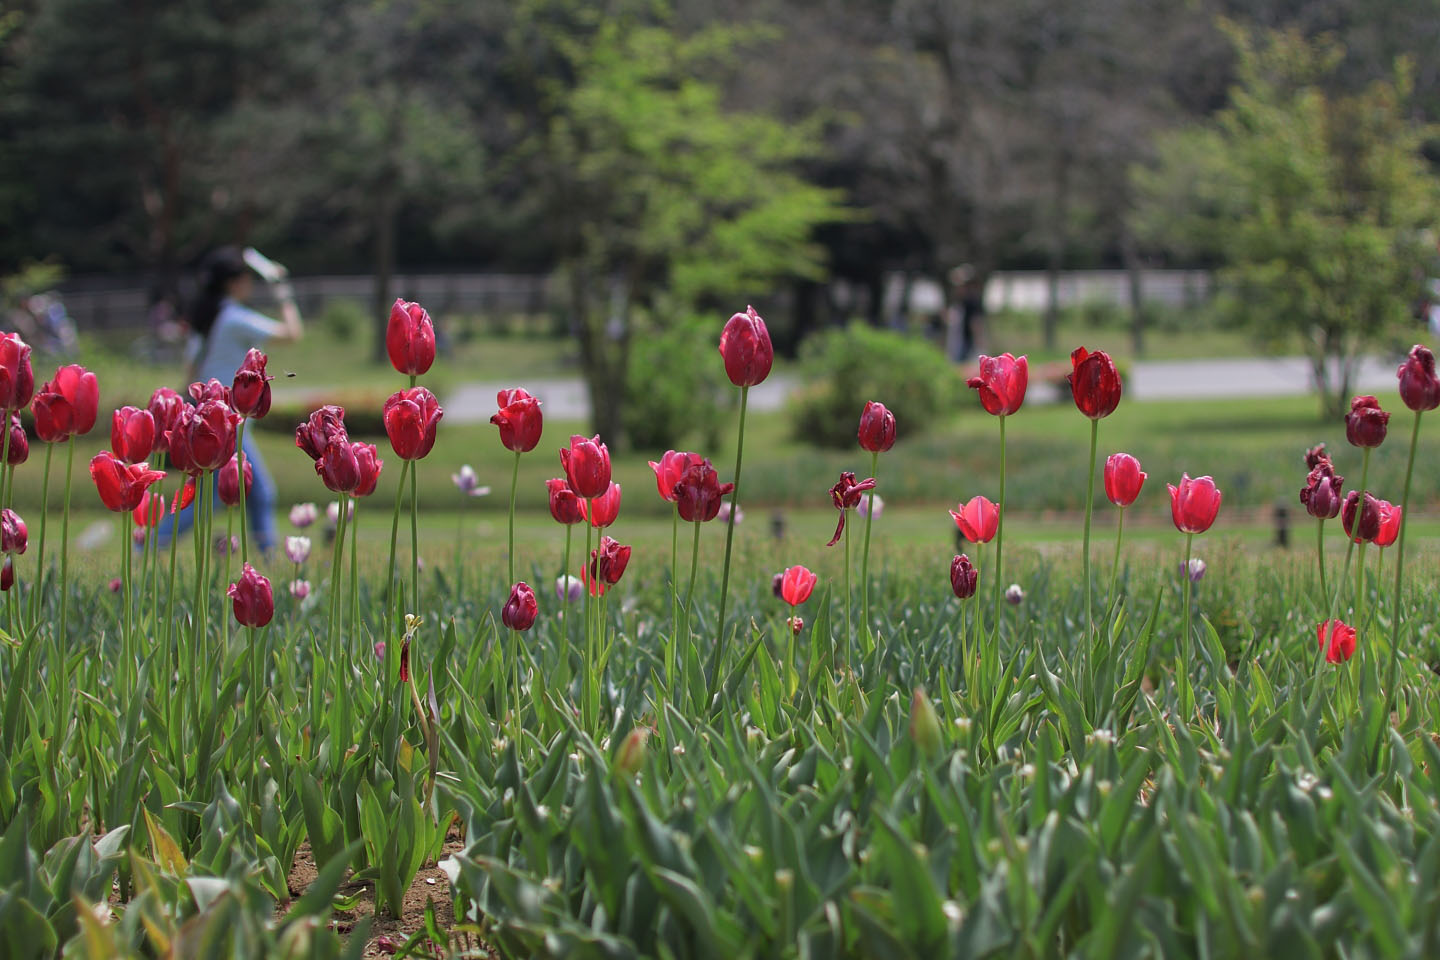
(216, 271)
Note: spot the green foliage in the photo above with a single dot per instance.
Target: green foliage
(844, 369)
(674, 389)
(344, 319)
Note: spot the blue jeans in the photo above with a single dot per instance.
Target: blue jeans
(259, 505)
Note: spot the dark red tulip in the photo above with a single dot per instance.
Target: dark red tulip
(19, 450)
(777, 585)
(565, 507)
(1419, 387)
(367, 458)
(1369, 526)
(411, 417)
(251, 598)
(1094, 383)
(1390, 516)
(521, 609)
(1365, 424)
(122, 486)
(212, 389)
(410, 338)
(699, 491)
(1341, 636)
(519, 420)
(846, 496)
(669, 469)
(17, 378)
(601, 511)
(14, 537)
(67, 405)
(1194, 504)
(587, 465)
(164, 406)
(1321, 493)
(323, 427)
(227, 481)
(877, 428)
(132, 434)
(607, 564)
(203, 437)
(1123, 479)
(7, 574)
(745, 345)
(250, 392)
(796, 585)
(963, 577)
(1315, 456)
(338, 468)
(1001, 383)
(151, 509)
(596, 587)
(978, 519)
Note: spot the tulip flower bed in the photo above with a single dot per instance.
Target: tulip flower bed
(697, 752)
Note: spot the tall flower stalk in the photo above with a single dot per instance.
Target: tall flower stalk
(1193, 508)
(877, 435)
(1123, 480)
(1001, 384)
(1095, 388)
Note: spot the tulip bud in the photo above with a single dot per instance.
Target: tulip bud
(13, 534)
(925, 724)
(602, 510)
(1369, 524)
(1365, 424)
(669, 469)
(865, 505)
(520, 610)
(565, 507)
(132, 434)
(746, 348)
(164, 407)
(250, 393)
(777, 583)
(1001, 383)
(17, 378)
(723, 513)
(410, 338)
(1195, 569)
(251, 599)
(411, 417)
(1123, 479)
(963, 577)
(1390, 517)
(115, 584)
(7, 574)
(1014, 595)
(227, 481)
(631, 755)
(297, 549)
(1094, 383)
(300, 589)
(877, 428)
(587, 466)
(1321, 493)
(303, 514)
(1419, 387)
(568, 589)
(519, 420)
(1194, 504)
(978, 519)
(468, 483)
(121, 486)
(1341, 636)
(797, 583)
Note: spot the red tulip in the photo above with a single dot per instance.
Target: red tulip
(367, 458)
(212, 389)
(323, 427)
(963, 577)
(1123, 479)
(520, 610)
(151, 509)
(132, 434)
(410, 338)
(1419, 387)
(251, 598)
(587, 465)
(796, 585)
(596, 587)
(17, 378)
(1390, 515)
(1321, 493)
(338, 468)
(227, 481)
(877, 428)
(1342, 640)
(1365, 424)
(602, 510)
(977, 519)
(19, 443)
(846, 496)
(1315, 456)
(14, 537)
(165, 407)
(699, 491)
(1369, 526)
(1001, 383)
(67, 405)
(411, 417)
(7, 574)
(203, 437)
(745, 345)
(250, 392)
(1194, 504)
(1094, 383)
(185, 497)
(607, 564)
(519, 420)
(565, 507)
(669, 470)
(122, 486)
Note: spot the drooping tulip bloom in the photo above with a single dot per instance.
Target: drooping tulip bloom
(1419, 386)
(250, 393)
(587, 466)
(303, 514)
(699, 492)
(411, 417)
(1094, 383)
(468, 483)
(607, 564)
(1365, 424)
(251, 598)
(300, 589)
(668, 470)
(1369, 524)
(297, 549)
(1315, 456)
(19, 450)
(1123, 479)
(410, 338)
(1001, 383)
(121, 486)
(17, 378)
(132, 434)
(565, 507)
(1321, 493)
(1341, 637)
(164, 407)
(601, 511)
(846, 496)
(150, 511)
(1390, 516)
(324, 426)
(14, 536)
(796, 585)
(338, 467)
(1194, 504)
(978, 519)
(519, 420)
(964, 578)
(877, 428)
(520, 610)
(367, 460)
(745, 345)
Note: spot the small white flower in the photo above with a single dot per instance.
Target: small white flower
(297, 549)
(1014, 594)
(864, 508)
(467, 483)
(724, 515)
(303, 514)
(299, 589)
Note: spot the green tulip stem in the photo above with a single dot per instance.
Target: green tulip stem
(865, 550)
(849, 627)
(719, 655)
(1320, 560)
(1355, 525)
(1115, 564)
(415, 539)
(689, 593)
(674, 575)
(514, 481)
(1182, 661)
(1089, 509)
(1400, 572)
(394, 537)
(999, 533)
(240, 484)
(65, 547)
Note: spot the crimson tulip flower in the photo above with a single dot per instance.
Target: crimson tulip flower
(601, 511)
(1194, 504)
(964, 578)
(19, 450)
(227, 482)
(1094, 383)
(607, 564)
(367, 458)
(1390, 515)
(669, 469)
(122, 486)
(184, 497)
(324, 426)
(1365, 424)
(132, 434)
(519, 420)
(17, 378)
(698, 493)
(151, 509)
(1321, 493)
(339, 468)
(596, 586)
(410, 338)
(1001, 383)
(521, 609)
(250, 392)
(251, 598)
(212, 389)
(1369, 524)
(1341, 636)
(1419, 386)
(877, 428)
(411, 417)
(978, 519)
(846, 496)
(1315, 456)
(14, 536)
(796, 585)
(7, 574)
(565, 507)
(1123, 479)
(587, 465)
(67, 405)
(203, 437)
(164, 407)
(745, 345)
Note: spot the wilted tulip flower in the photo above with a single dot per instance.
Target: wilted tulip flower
(587, 466)
(865, 505)
(699, 492)
(745, 346)
(877, 428)
(1365, 424)
(132, 434)
(1341, 637)
(846, 496)
(410, 338)
(1001, 383)
(568, 589)
(1123, 479)
(1390, 515)
(565, 507)
(1419, 387)
(467, 483)
(1013, 594)
(121, 486)
(251, 598)
(323, 427)
(17, 378)
(1194, 504)
(978, 519)
(520, 610)
(297, 549)
(411, 417)
(796, 585)
(668, 470)
(303, 514)
(602, 510)
(250, 393)
(19, 450)
(1369, 525)
(1315, 456)
(608, 563)
(519, 420)
(227, 481)
(1094, 383)
(964, 578)
(1321, 493)
(13, 534)
(300, 589)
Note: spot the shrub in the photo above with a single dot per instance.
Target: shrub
(673, 389)
(344, 318)
(845, 368)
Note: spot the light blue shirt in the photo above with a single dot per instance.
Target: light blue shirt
(237, 328)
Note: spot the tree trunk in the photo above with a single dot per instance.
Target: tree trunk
(1135, 279)
(603, 362)
(1055, 248)
(386, 211)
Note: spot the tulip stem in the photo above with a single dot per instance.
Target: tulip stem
(252, 773)
(689, 592)
(131, 671)
(415, 539)
(514, 480)
(674, 574)
(394, 536)
(336, 579)
(170, 593)
(240, 485)
(1115, 565)
(65, 549)
(719, 656)
(1399, 574)
(39, 587)
(1355, 522)
(354, 577)
(1089, 509)
(229, 539)
(1182, 661)
(1320, 559)
(588, 582)
(999, 532)
(865, 550)
(849, 628)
